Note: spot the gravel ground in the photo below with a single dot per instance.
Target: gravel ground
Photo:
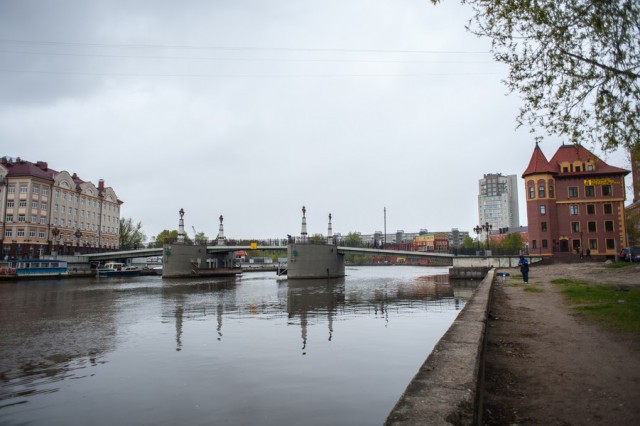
(547, 365)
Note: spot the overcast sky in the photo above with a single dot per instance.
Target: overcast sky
(252, 109)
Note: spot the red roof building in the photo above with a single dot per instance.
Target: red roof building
(44, 211)
(575, 203)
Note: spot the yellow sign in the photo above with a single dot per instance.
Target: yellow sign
(605, 181)
(254, 246)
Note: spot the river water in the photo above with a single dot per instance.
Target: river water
(250, 350)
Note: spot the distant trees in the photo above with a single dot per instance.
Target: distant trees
(169, 237)
(353, 239)
(131, 235)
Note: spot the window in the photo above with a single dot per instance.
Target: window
(591, 209)
(573, 191)
(8, 233)
(23, 190)
(591, 226)
(541, 191)
(23, 203)
(573, 209)
(589, 167)
(43, 220)
(41, 234)
(608, 226)
(606, 190)
(9, 218)
(10, 204)
(608, 208)
(22, 218)
(532, 192)
(593, 244)
(543, 226)
(589, 191)
(551, 190)
(611, 244)
(544, 244)
(534, 244)
(11, 189)
(34, 219)
(34, 205)
(20, 232)
(575, 226)
(43, 206)
(32, 233)
(45, 191)
(543, 210)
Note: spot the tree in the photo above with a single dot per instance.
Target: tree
(512, 242)
(200, 238)
(131, 235)
(316, 239)
(468, 243)
(169, 237)
(353, 239)
(575, 63)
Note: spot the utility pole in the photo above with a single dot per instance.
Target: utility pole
(385, 228)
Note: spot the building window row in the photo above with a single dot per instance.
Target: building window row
(590, 191)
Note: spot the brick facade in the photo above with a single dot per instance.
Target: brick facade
(575, 203)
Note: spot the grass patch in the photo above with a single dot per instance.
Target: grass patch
(616, 307)
(568, 281)
(532, 290)
(618, 265)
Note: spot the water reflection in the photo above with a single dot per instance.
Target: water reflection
(249, 333)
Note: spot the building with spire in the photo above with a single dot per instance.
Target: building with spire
(575, 203)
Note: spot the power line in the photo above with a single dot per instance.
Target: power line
(232, 48)
(240, 59)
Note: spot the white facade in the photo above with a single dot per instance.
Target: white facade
(498, 201)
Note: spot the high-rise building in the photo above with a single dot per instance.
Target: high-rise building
(498, 201)
(575, 203)
(44, 211)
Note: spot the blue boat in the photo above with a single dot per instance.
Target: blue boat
(33, 268)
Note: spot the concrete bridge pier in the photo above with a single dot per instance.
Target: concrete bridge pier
(314, 261)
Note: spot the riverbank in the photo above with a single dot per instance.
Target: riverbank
(545, 363)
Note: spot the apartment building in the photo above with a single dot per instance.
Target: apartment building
(498, 201)
(44, 211)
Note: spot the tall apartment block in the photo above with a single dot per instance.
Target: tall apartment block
(44, 211)
(498, 201)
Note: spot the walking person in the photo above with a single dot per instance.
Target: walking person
(524, 268)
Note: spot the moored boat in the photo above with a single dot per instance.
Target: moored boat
(116, 269)
(33, 268)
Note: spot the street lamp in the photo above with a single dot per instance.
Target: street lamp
(78, 234)
(487, 227)
(55, 232)
(478, 230)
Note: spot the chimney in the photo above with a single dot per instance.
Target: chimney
(101, 185)
(42, 165)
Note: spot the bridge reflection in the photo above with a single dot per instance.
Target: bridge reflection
(305, 303)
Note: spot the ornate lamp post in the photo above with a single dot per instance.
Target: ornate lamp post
(478, 230)
(78, 234)
(55, 232)
(487, 227)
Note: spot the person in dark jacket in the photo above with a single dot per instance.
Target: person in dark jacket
(524, 268)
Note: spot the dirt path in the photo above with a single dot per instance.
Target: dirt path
(547, 365)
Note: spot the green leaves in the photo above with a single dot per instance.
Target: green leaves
(575, 63)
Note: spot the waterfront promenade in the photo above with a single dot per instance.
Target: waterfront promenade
(545, 364)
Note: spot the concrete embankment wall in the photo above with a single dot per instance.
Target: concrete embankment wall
(447, 388)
